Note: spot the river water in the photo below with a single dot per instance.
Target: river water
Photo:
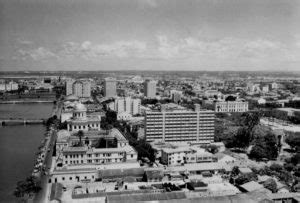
(18, 145)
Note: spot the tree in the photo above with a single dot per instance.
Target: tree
(27, 187)
(63, 125)
(87, 141)
(265, 147)
(235, 171)
(293, 141)
(101, 143)
(212, 148)
(276, 167)
(271, 184)
(245, 178)
(230, 98)
(296, 158)
(80, 134)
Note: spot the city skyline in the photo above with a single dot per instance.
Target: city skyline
(150, 35)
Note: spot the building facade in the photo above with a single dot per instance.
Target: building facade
(69, 86)
(180, 126)
(85, 155)
(110, 87)
(150, 88)
(176, 95)
(126, 104)
(78, 88)
(183, 155)
(231, 106)
(10, 86)
(80, 121)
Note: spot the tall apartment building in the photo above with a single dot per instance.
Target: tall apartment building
(231, 106)
(9, 86)
(180, 126)
(150, 88)
(69, 86)
(126, 104)
(78, 88)
(110, 87)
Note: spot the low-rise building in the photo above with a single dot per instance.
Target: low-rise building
(86, 155)
(80, 120)
(231, 106)
(182, 155)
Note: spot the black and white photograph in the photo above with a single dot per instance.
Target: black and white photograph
(165, 101)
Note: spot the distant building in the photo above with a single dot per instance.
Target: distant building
(175, 95)
(231, 106)
(79, 88)
(69, 86)
(10, 86)
(212, 93)
(110, 87)
(126, 104)
(180, 126)
(273, 86)
(150, 88)
(265, 88)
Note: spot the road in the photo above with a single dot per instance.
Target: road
(42, 195)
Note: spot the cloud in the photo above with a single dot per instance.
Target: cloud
(88, 50)
(187, 50)
(40, 53)
(148, 3)
(24, 42)
(221, 49)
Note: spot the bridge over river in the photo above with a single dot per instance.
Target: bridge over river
(21, 121)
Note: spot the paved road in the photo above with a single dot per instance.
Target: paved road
(41, 196)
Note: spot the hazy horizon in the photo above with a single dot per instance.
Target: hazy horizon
(204, 35)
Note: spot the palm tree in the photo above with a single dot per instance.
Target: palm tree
(80, 134)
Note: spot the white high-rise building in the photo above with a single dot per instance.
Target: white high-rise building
(86, 89)
(69, 86)
(150, 88)
(78, 88)
(180, 126)
(110, 87)
(126, 104)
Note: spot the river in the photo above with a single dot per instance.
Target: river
(18, 145)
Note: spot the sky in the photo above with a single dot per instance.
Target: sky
(241, 35)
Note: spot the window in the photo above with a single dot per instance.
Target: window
(63, 178)
(70, 178)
